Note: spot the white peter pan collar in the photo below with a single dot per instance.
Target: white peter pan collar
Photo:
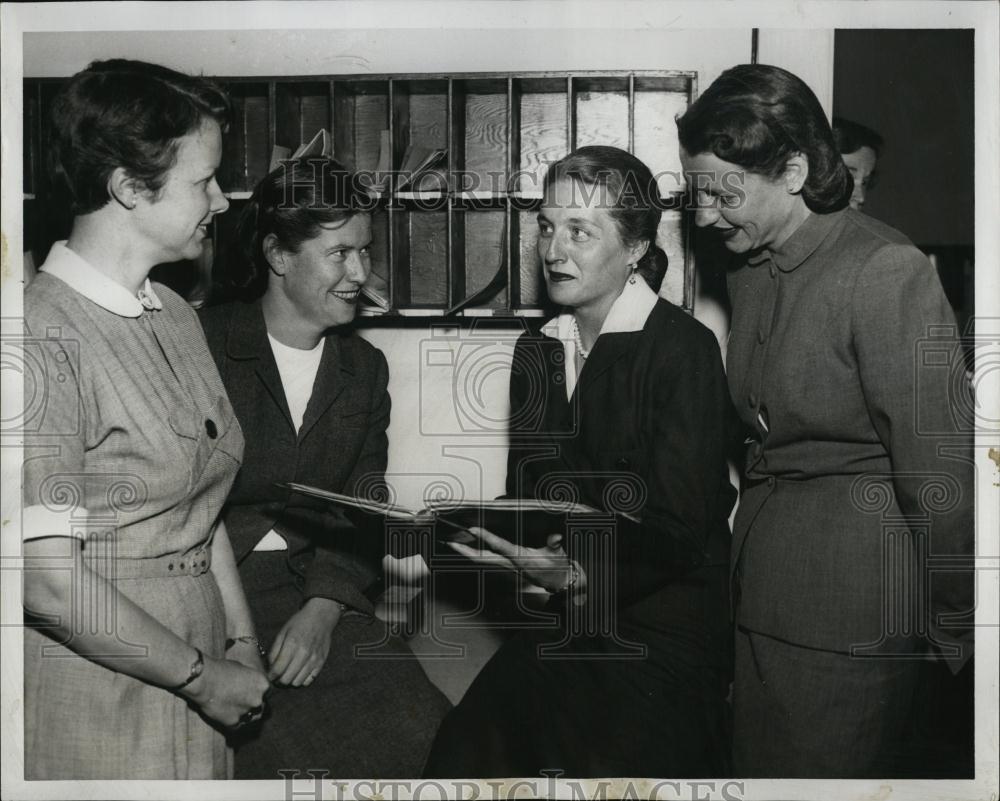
(628, 313)
(95, 286)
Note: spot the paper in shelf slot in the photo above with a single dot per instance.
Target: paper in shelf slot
(527, 521)
(488, 292)
(278, 155)
(376, 289)
(381, 178)
(318, 146)
(424, 170)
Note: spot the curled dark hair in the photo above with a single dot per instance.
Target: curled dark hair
(631, 194)
(850, 136)
(292, 202)
(128, 114)
(758, 116)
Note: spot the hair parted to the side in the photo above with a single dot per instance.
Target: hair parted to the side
(851, 136)
(292, 202)
(632, 197)
(128, 114)
(757, 116)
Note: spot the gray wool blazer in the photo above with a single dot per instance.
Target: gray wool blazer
(842, 361)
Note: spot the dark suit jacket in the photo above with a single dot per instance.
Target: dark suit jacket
(646, 432)
(852, 425)
(341, 446)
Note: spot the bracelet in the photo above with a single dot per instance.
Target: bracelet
(574, 576)
(247, 638)
(196, 669)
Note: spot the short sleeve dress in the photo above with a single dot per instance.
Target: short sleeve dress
(131, 446)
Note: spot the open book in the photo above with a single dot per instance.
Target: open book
(526, 521)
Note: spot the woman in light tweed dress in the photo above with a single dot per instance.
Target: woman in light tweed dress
(130, 589)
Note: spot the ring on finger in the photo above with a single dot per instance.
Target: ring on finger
(251, 714)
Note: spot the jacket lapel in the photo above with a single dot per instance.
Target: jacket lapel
(335, 371)
(608, 349)
(247, 340)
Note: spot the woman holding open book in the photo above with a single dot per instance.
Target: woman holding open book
(313, 403)
(620, 403)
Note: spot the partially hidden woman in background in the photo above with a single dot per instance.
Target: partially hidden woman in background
(129, 597)
(622, 398)
(854, 438)
(313, 402)
(860, 147)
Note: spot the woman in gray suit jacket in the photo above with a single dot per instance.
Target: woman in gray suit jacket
(312, 400)
(842, 356)
(619, 403)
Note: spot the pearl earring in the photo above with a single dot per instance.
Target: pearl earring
(632, 275)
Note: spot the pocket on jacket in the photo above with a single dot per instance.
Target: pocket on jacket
(353, 418)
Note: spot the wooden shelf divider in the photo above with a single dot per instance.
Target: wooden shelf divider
(438, 246)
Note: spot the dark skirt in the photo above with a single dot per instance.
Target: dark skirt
(812, 714)
(593, 707)
(366, 715)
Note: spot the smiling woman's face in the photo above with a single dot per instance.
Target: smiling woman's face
(321, 282)
(584, 259)
(745, 210)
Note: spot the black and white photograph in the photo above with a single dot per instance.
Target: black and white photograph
(500, 399)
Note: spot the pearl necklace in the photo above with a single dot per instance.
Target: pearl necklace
(584, 353)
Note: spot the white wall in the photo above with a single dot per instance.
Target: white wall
(448, 388)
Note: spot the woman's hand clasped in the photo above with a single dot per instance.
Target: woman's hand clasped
(228, 692)
(301, 647)
(549, 568)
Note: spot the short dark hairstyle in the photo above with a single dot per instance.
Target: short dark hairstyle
(851, 136)
(291, 202)
(128, 114)
(758, 116)
(632, 195)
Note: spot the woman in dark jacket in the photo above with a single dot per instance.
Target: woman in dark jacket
(842, 359)
(312, 400)
(619, 403)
